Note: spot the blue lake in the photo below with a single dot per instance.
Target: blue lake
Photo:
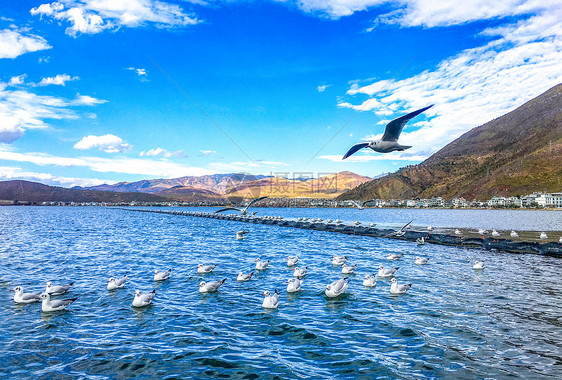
(505, 321)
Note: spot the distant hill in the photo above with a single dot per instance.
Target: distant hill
(214, 187)
(189, 194)
(518, 153)
(217, 183)
(37, 192)
(329, 186)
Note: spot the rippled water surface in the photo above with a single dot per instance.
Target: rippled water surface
(455, 322)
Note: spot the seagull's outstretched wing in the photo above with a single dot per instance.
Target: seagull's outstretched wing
(355, 148)
(393, 129)
(227, 209)
(254, 201)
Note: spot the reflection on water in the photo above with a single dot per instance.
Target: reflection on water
(454, 322)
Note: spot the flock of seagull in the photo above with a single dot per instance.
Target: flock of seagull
(270, 301)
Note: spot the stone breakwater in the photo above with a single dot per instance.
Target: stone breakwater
(486, 243)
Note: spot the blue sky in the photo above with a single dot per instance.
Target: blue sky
(100, 91)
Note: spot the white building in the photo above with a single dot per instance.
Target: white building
(549, 200)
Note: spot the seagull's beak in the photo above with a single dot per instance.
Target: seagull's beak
(12, 290)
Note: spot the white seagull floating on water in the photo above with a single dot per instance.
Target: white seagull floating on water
(482, 231)
(458, 232)
(394, 256)
(270, 301)
(543, 236)
(495, 234)
(421, 260)
(244, 277)
(370, 280)
(387, 272)
(514, 234)
(389, 141)
(339, 260)
(300, 272)
(210, 287)
(420, 241)
(478, 265)
(57, 290)
(337, 288)
(113, 283)
(202, 268)
(261, 265)
(348, 269)
(398, 289)
(294, 285)
(240, 234)
(48, 305)
(142, 300)
(21, 297)
(161, 276)
(292, 261)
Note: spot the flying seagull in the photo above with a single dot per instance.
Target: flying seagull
(243, 211)
(389, 141)
(361, 204)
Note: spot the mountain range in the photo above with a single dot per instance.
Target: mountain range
(516, 154)
(26, 191)
(217, 186)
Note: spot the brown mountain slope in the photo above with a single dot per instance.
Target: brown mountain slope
(189, 194)
(37, 192)
(328, 186)
(217, 183)
(518, 153)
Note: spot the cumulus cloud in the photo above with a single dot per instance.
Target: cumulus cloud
(14, 173)
(161, 152)
(156, 168)
(473, 87)
(58, 80)
(323, 87)
(17, 80)
(426, 13)
(14, 43)
(94, 16)
(108, 143)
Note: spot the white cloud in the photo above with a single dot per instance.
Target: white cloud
(156, 168)
(426, 13)
(58, 80)
(244, 166)
(140, 72)
(161, 152)
(207, 152)
(22, 110)
(475, 86)
(108, 143)
(323, 87)
(85, 100)
(397, 156)
(14, 173)
(17, 80)
(13, 43)
(94, 16)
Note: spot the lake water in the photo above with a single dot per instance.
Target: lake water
(505, 321)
